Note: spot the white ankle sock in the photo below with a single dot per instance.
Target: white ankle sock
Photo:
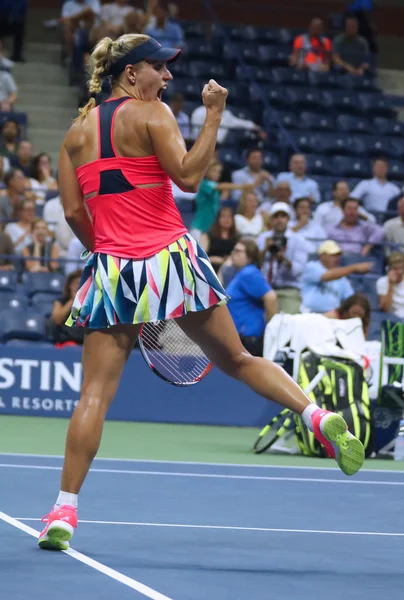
(306, 415)
(67, 498)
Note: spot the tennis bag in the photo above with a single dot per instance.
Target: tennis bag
(343, 390)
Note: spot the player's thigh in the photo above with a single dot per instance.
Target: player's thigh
(215, 333)
(105, 352)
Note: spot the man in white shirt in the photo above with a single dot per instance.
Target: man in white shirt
(394, 229)
(390, 288)
(306, 226)
(302, 186)
(331, 213)
(74, 256)
(229, 121)
(254, 173)
(55, 218)
(376, 193)
(113, 16)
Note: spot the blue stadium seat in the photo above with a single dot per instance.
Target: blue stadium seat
(241, 112)
(317, 122)
(43, 303)
(287, 119)
(398, 145)
(352, 259)
(8, 281)
(265, 35)
(243, 138)
(249, 53)
(376, 105)
(307, 99)
(190, 88)
(286, 36)
(387, 126)
(396, 170)
(353, 82)
(288, 76)
(359, 124)
(12, 300)
(342, 101)
(340, 143)
(325, 81)
(197, 50)
(206, 70)
(307, 141)
(22, 324)
(189, 107)
(277, 96)
(271, 162)
(46, 283)
(238, 92)
(318, 164)
(326, 183)
(376, 319)
(273, 55)
(193, 29)
(231, 157)
(378, 146)
(179, 69)
(348, 166)
(260, 74)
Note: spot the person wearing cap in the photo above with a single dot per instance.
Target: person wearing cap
(115, 169)
(284, 254)
(324, 284)
(390, 287)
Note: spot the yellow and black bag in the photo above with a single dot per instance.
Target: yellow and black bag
(343, 390)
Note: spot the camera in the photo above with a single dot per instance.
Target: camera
(278, 242)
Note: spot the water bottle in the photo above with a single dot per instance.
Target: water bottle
(399, 442)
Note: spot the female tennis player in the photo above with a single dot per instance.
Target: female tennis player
(115, 167)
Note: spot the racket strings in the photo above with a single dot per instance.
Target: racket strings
(172, 352)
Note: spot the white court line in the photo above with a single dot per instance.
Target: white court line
(230, 528)
(94, 564)
(208, 464)
(209, 475)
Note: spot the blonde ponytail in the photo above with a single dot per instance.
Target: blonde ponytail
(106, 52)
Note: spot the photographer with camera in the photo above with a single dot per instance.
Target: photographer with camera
(284, 255)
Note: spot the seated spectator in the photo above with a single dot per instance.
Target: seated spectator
(354, 235)
(284, 255)
(330, 213)
(113, 17)
(305, 225)
(282, 193)
(67, 336)
(74, 252)
(10, 134)
(252, 300)
(23, 159)
(208, 199)
(354, 307)
(20, 232)
(394, 229)
(5, 63)
(248, 220)
(376, 193)
(362, 11)
(324, 284)
(254, 173)
(4, 167)
(390, 288)
(176, 103)
(219, 241)
(312, 50)
(14, 194)
(56, 223)
(8, 91)
(229, 121)
(166, 32)
(42, 248)
(302, 186)
(77, 14)
(351, 51)
(6, 250)
(41, 179)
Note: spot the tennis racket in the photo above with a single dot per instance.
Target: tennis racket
(171, 354)
(273, 431)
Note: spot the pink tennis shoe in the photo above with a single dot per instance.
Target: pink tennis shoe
(61, 523)
(332, 431)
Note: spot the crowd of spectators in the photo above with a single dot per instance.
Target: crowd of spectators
(278, 241)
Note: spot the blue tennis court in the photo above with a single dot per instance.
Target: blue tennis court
(181, 531)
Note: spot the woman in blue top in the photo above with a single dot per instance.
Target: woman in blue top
(253, 302)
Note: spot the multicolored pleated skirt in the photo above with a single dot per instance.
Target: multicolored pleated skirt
(177, 280)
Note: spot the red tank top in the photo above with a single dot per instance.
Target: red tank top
(129, 222)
